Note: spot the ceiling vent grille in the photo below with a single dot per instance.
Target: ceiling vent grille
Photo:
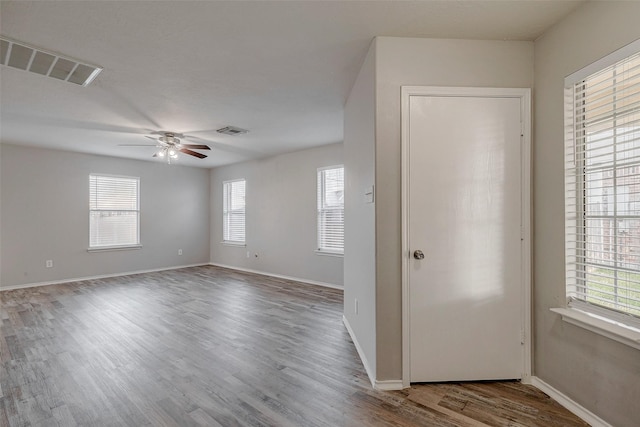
(232, 130)
(28, 58)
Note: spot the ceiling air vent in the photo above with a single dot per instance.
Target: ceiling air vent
(232, 130)
(28, 58)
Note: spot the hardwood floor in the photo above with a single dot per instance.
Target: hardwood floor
(207, 346)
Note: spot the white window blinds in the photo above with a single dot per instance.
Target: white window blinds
(114, 213)
(233, 213)
(602, 193)
(331, 210)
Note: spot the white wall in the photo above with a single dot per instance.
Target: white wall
(280, 218)
(600, 374)
(360, 242)
(427, 62)
(45, 202)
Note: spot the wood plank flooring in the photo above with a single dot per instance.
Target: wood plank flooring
(207, 346)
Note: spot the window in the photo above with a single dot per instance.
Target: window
(602, 190)
(233, 212)
(114, 212)
(331, 210)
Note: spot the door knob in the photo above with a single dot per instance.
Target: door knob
(418, 254)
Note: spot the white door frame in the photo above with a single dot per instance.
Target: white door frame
(524, 95)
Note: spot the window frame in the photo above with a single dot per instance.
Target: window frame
(320, 209)
(117, 247)
(227, 196)
(619, 325)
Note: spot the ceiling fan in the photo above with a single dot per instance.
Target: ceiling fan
(169, 145)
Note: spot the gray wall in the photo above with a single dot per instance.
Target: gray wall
(360, 249)
(45, 202)
(280, 218)
(427, 62)
(598, 373)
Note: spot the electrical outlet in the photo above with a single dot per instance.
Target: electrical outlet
(48, 263)
(179, 251)
(355, 306)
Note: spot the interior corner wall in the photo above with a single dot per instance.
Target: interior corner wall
(421, 62)
(281, 227)
(45, 216)
(600, 374)
(360, 250)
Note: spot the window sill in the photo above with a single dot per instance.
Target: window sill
(606, 327)
(114, 248)
(237, 244)
(327, 253)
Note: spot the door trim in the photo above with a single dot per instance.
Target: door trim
(524, 95)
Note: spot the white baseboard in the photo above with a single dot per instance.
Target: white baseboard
(279, 276)
(363, 358)
(102, 276)
(385, 385)
(569, 404)
(388, 385)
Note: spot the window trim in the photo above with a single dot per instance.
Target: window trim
(601, 325)
(234, 243)
(319, 250)
(602, 63)
(114, 248)
(618, 326)
(241, 243)
(325, 252)
(132, 246)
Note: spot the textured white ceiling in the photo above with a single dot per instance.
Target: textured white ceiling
(282, 70)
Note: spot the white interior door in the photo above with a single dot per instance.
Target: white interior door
(465, 215)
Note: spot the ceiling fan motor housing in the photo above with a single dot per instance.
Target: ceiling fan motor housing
(170, 138)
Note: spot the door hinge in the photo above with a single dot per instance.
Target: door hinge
(522, 336)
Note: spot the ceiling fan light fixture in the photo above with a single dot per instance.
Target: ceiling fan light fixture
(168, 153)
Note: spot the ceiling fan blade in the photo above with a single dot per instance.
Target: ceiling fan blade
(135, 145)
(225, 147)
(192, 153)
(196, 146)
